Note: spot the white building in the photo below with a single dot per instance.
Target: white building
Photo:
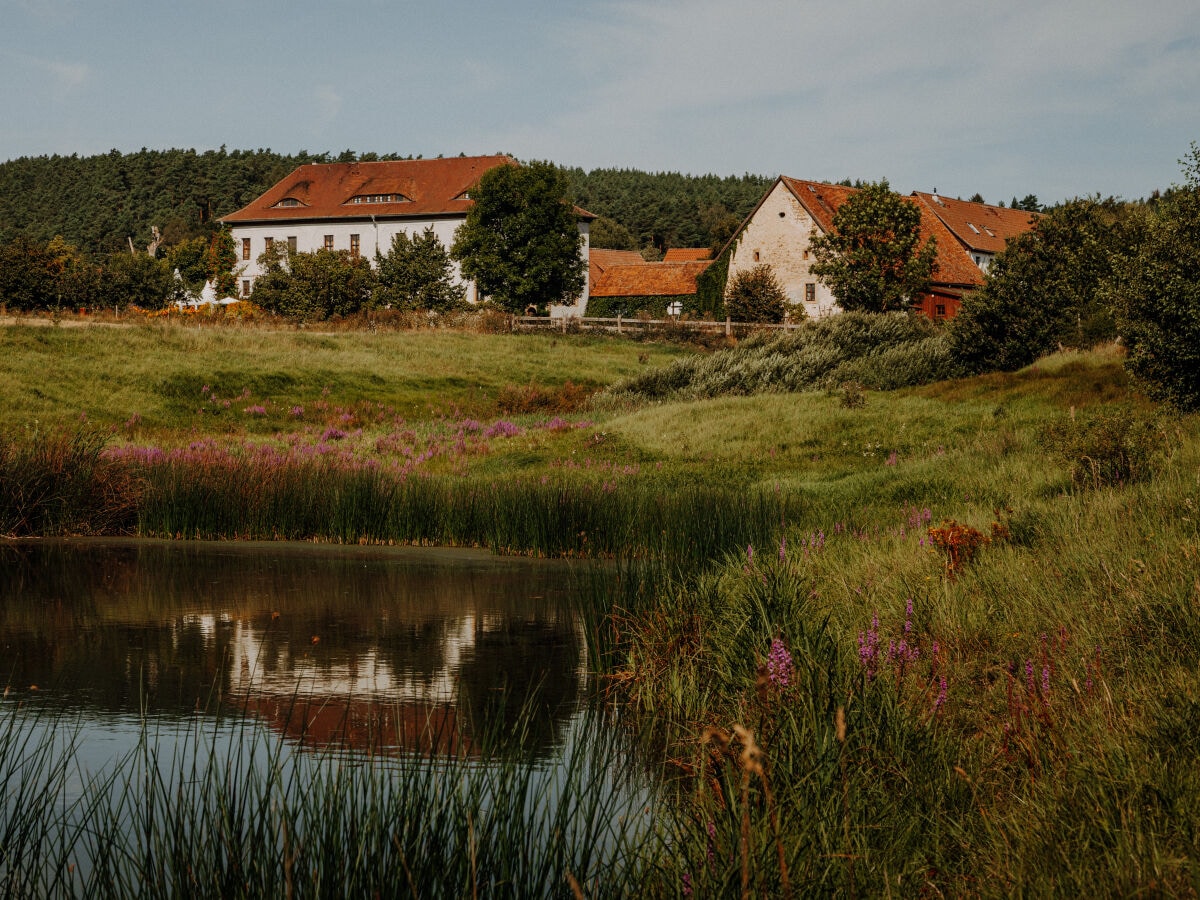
(359, 207)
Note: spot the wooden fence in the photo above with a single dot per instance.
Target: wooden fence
(622, 325)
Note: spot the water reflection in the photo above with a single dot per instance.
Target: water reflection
(419, 649)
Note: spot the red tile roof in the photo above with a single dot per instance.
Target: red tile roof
(978, 226)
(599, 260)
(325, 190)
(687, 254)
(953, 265)
(661, 279)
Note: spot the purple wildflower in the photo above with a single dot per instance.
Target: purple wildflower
(332, 434)
(1045, 681)
(687, 884)
(501, 428)
(779, 664)
(941, 697)
(255, 410)
(1029, 675)
(296, 412)
(783, 548)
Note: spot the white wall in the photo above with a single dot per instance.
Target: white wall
(778, 235)
(579, 308)
(310, 236)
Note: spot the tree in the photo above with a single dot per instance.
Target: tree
(1042, 289)
(1155, 290)
(27, 276)
(313, 285)
(608, 234)
(417, 274)
(873, 259)
(219, 260)
(755, 295)
(521, 241)
(136, 279)
(188, 258)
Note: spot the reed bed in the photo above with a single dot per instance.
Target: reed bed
(541, 517)
(232, 810)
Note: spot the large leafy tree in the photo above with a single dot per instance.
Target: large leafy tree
(521, 242)
(1043, 289)
(873, 259)
(1155, 290)
(417, 274)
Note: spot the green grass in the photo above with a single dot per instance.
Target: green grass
(1000, 787)
(157, 371)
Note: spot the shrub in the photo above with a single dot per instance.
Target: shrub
(881, 350)
(314, 285)
(755, 295)
(1115, 447)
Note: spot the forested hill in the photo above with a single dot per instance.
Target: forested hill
(664, 209)
(98, 202)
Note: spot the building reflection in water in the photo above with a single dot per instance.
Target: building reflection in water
(394, 651)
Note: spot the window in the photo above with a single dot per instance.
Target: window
(245, 248)
(379, 198)
(245, 287)
(756, 257)
(268, 243)
(939, 311)
(291, 243)
(806, 254)
(354, 245)
(973, 228)
(286, 202)
(329, 242)
(810, 292)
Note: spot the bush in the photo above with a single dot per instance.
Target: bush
(1109, 448)
(314, 285)
(1156, 291)
(882, 351)
(755, 295)
(1043, 290)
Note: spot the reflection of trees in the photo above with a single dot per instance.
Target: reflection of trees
(520, 675)
(164, 627)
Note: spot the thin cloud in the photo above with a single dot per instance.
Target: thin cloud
(328, 103)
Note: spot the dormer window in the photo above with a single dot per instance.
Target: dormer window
(379, 198)
(287, 202)
(465, 195)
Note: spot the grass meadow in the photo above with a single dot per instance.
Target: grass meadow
(942, 642)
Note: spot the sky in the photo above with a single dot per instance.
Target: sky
(1058, 98)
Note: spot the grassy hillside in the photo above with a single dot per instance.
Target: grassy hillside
(943, 642)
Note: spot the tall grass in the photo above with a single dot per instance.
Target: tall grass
(1024, 722)
(234, 811)
(59, 482)
(551, 518)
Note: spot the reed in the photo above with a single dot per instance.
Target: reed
(231, 810)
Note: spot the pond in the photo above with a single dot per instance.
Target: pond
(173, 658)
